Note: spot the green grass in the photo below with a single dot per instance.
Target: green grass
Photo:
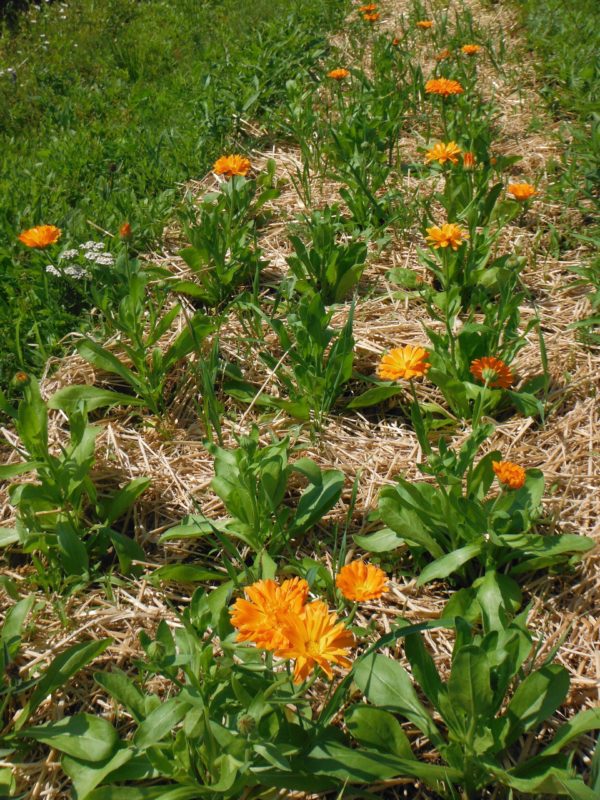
(112, 104)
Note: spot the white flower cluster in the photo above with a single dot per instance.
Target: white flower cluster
(90, 251)
(93, 251)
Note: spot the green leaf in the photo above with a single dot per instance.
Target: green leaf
(10, 633)
(58, 673)
(124, 499)
(160, 722)
(469, 688)
(185, 573)
(382, 541)
(8, 536)
(86, 775)
(103, 359)
(499, 596)
(81, 736)
(451, 562)
(74, 556)
(8, 471)
(124, 691)
(376, 728)
(316, 500)
(171, 791)
(582, 722)
(386, 684)
(68, 398)
(375, 396)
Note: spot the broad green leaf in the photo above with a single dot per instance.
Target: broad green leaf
(582, 722)
(382, 541)
(171, 791)
(124, 691)
(87, 775)
(10, 633)
(423, 669)
(316, 500)
(387, 685)
(375, 396)
(103, 359)
(185, 573)
(376, 728)
(68, 398)
(160, 722)
(449, 563)
(8, 536)
(499, 596)
(58, 673)
(8, 471)
(81, 736)
(469, 688)
(124, 499)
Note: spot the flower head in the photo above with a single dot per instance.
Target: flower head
(232, 165)
(21, 378)
(470, 49)
(493, 371)
(443, 86)
(441, 153)
(359, 581)
(469, 160)
(260, 617)
(315, 638)
(404, 363)
(338, 74)
(449, 235)
(40, 236)
(445, 53)
(396, 41)
(521, 191)
(367, 8)
(510, 474)
(125, 231)
(371, 17)
(425, 24)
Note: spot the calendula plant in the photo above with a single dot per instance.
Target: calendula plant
(327, 266)
(456, 527)
(315, 365)
(252, 481)
(61, 517)
(495, 693)
(224, 253)
(144, 316)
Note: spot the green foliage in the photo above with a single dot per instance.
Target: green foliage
(491, 698)
(62, 516)
(252, 482)
(454, 527)
(224, 253)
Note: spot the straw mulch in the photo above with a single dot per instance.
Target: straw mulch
(372, 447)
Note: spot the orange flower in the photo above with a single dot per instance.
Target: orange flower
(492, 371)
(441, 153)
(232, 165)
(470, 49)
(125, 231)
(338, 74)
(260, 618)
(424, 24)
(443, 87)
(521, 191)
(40, 236)
(315, 638)
(367, 8)
(469, 160)
(510, 474)
(396, 41)
(371, 17)
(443, 54)
(403, 363)
(21, 378)
(359, 581)
(449, 235)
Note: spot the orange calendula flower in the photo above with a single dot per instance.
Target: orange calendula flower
(493, 371)
(260, 617)
(40, 236)
(21, 378)
(469, 160)
(441, 153)
(125, 231)
(470, 49)
(315, 638)
(369, 7)
(359, 581)
(338, 74)
(425, 24)
(396, 41)
(512, 475)
(403, 363)
(449, 235)
(371, 17)
(521, 191)
(443, 86)
(232, 165)
(445, 53)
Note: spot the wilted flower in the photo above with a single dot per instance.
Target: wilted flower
(512, 475)
(470, 49)
(443, 86)
(445, 53)
(40, 236)
(338, 74)
(359, 581)
(424, 24)
(492, 371)
(315, 638)
(441, 153)
(232, 165)
(260, 618)
(449, 235)
(404, 363)
(521, 191)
